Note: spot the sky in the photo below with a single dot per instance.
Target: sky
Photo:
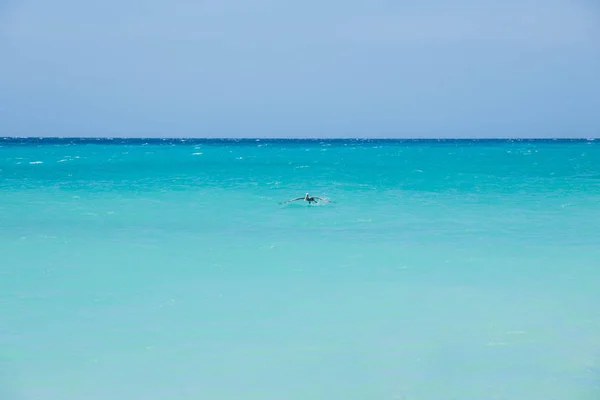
(272, 68)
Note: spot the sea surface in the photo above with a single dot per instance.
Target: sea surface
(168, 269)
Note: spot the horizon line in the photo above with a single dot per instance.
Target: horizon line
(165, 138)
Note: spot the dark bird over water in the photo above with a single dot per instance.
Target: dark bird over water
(310, 199)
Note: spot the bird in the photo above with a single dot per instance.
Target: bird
(310, 199)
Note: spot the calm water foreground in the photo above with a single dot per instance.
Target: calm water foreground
(169, 270)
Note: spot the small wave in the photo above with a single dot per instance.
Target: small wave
(36, 162)
(197, 154)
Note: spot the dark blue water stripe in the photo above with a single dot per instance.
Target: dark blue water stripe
(248, 141)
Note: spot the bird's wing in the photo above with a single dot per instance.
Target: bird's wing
(296, 199)
(320, 198)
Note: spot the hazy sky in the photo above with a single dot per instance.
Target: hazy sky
(265, 68)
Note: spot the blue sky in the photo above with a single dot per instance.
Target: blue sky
(271, 68)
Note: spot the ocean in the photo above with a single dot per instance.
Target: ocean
(169, 269)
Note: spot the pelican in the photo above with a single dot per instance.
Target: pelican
(310, 199)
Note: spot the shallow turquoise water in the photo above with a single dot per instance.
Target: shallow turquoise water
(168, 269)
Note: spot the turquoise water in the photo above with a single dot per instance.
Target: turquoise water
(169, 270)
